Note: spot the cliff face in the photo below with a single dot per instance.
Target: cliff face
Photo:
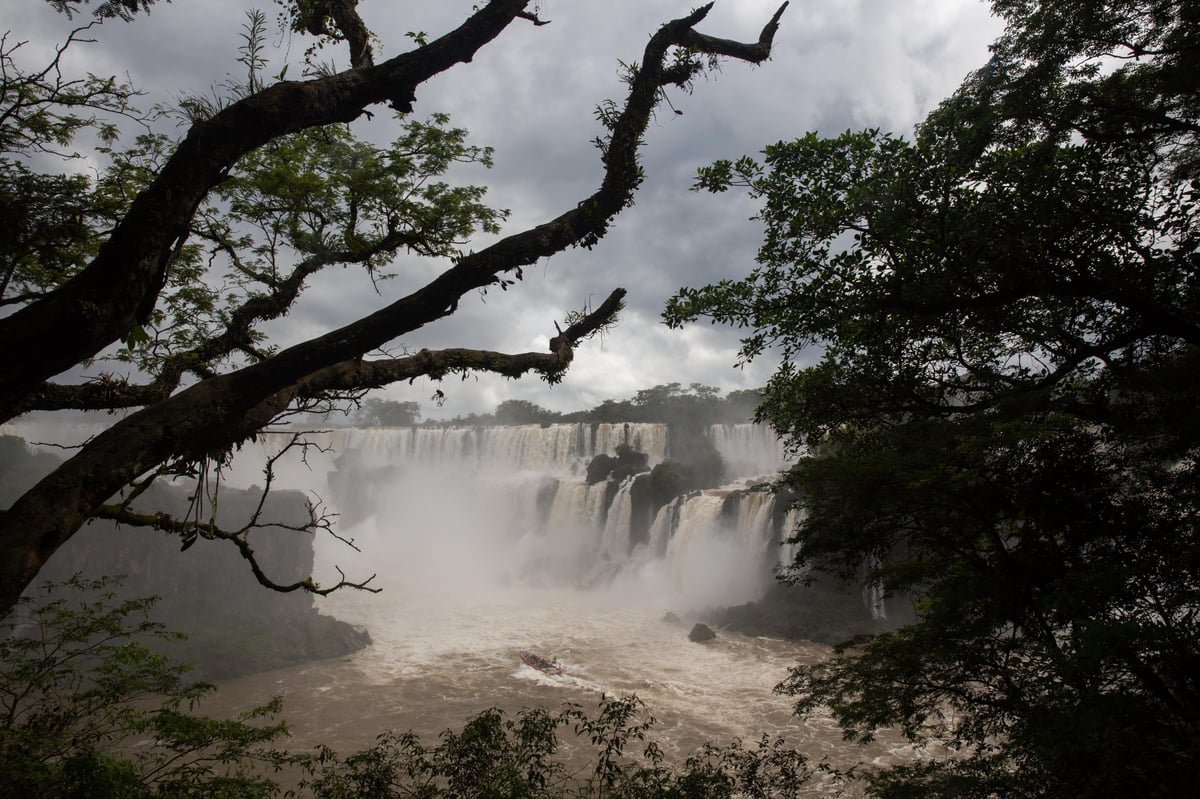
(234, 625)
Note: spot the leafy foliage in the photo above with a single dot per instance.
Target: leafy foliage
(106, 9)
(988, 336)
(388, 413)
(494, 756)
(42, 110)
(299, 204)
(522, 412)
(89, 710)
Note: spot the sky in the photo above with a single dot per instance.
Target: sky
(530, 94)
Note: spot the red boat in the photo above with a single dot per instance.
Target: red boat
(540, 663)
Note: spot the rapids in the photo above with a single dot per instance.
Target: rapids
(438, 659)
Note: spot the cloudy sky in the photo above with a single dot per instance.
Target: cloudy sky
(530, 94)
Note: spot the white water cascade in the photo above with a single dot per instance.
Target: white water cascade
(476, 506)
(469, 507)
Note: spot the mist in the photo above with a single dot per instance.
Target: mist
(481, 510)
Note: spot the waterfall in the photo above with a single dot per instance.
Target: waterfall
(874, 596)
(559, 449)
(615, 542)
(789, 551)
(539, 520)
(688, 551)
(577, 504)
(666, 521)
(748, 449)
(461, 507)
(754, 513)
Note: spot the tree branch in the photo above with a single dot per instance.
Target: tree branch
(119, 288)
(345, 15)
(356, 374)
(755, 52)
(208, 418)
(190, 528)
(108, 392)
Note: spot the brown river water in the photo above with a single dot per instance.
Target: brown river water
(438, 659)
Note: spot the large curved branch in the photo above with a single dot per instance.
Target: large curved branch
(345, 15)
(210, 417)
(119, 288)
(356, 374)
(108, 392)
(755, 52)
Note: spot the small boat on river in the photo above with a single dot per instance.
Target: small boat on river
(540, 663)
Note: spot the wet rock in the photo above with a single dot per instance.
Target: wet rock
(600, 468)
(671, 618)
(701, 633)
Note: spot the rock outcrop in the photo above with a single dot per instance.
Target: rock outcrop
(233, 625)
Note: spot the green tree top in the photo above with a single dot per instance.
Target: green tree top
(388, 413)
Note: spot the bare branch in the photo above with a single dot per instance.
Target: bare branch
(184, 529)
(349, 25)
(755, 53)
(354, 375)
(193, 526)
(532, 17)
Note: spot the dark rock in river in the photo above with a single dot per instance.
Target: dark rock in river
(701, 633)
(823, 612)
(671, 618)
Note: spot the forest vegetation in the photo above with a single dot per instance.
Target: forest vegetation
(1001, 424)
(694, 406)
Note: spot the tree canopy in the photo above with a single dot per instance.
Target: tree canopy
(988, 337)
(177, 253)
(388, 413)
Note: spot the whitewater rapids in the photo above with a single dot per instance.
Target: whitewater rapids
(439, 659)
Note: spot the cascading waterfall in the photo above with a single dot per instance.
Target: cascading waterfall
(615, 542)
(469, 506)
(666, 521)
(749, 449)
(481, 539)
(515, 501)
(696, 546)
(558, 448)
(874, 596)
(789, 550)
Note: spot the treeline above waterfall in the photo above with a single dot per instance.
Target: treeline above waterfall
(696, 406)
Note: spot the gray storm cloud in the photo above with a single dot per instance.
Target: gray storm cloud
(530, 94)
